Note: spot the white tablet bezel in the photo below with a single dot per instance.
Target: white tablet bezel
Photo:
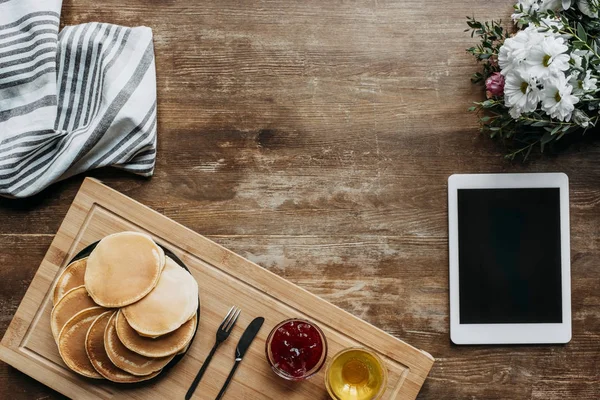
(509, 333)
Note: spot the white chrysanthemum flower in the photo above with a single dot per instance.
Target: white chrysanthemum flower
(578, 55)
(557, 100)
(589, 84)
(585, 85)
(555, 5)
(514, 49)
(585, 7)
(528, 7)
(581, 118)
(548, 57)
(546, 25)
(573, 81)
(521, 93)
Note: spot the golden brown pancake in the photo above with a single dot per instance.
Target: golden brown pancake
(128, 360)
(94, 345)
(71, 342)
(168, 306)
(70, 278)
(187, 346)
(163, 258)
(162, 346)
(123, 268)
(71, 303)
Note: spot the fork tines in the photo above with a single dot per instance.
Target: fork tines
(230, 319)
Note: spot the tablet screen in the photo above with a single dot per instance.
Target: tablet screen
(509, 256)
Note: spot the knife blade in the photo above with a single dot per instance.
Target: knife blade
(247, 337)
(241, 348)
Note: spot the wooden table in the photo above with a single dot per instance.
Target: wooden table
(316, 138)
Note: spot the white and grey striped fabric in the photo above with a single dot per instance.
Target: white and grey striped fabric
(71, 101)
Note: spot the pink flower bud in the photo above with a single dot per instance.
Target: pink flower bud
(494, 85)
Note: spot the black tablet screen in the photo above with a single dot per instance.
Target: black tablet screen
(509, 256)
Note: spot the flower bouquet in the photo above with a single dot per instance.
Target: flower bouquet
(541, 81)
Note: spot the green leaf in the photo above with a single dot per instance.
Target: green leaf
(581, 32)
(556, 129)
(476, 77)
(560, 135)
(528, 153)
(472, 108)
(547, 138)
(540, 123)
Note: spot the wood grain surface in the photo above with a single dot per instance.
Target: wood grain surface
(224, 278)
(316, 138)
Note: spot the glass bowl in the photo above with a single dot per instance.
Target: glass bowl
(356, 374)
(291, 345)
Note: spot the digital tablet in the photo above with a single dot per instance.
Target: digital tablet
(510, 278)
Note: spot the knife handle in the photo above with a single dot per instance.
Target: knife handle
(194, 385)
(224, 388)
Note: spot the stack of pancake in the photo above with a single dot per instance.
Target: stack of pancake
(124, 312)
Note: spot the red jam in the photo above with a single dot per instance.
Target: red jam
(296, 348)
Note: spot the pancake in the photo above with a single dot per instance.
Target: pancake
(162, 346)
(127, 360)
(70, 278)
(123, 268)
(71, 303)
(94, 345)
(71, 342)
(194, 313)
(187, 346)
(168, 306)
(163, 258)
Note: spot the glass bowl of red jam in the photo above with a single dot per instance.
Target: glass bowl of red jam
(296, 349)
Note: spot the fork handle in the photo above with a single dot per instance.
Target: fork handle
(194, 385)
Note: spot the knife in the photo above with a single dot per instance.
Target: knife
(242, 346)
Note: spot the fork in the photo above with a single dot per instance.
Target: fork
(222, 334)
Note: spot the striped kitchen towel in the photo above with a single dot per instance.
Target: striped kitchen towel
(72, 101)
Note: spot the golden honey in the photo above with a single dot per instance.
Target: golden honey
(356, 374)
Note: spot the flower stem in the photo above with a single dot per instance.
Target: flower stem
(529, 147)
(574, 34)
(550, 122)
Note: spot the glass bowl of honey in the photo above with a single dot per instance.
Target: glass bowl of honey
(296, 349)
(356, 374)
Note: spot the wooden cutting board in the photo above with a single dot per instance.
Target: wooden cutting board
(225, 279)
